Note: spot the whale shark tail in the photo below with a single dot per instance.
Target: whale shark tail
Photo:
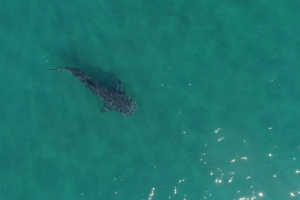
(76, 72)
(60, 69)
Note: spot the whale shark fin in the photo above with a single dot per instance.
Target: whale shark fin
(58, 69)
(119, 86)
(106, 108)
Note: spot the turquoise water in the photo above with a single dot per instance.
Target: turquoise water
(217, 85)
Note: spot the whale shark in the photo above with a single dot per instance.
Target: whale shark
(114, 99)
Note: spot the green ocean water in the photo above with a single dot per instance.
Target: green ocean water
(217, 86)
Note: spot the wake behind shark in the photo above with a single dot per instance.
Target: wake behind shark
(114, 99)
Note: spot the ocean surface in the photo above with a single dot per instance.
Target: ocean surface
(217, 85)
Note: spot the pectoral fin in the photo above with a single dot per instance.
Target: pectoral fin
(119, 87)
(106, 108)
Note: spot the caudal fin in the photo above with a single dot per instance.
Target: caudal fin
(58, 69)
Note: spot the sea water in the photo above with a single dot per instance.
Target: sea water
(217, 87)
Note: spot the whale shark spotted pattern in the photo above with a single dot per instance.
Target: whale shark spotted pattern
(114, 99)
